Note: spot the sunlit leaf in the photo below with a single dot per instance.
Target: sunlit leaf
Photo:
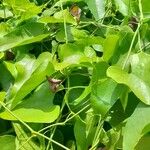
(28, 33)
(31, 73)
(137, 84)
(37, 108)
(23, 8)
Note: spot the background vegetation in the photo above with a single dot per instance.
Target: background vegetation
(74, 74)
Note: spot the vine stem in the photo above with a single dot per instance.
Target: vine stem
(63, 123)
(54, 127)
(65, 26)
(141, 11)
(131, 46)
(4, 11)
(135, 34)
(62, 146)
(28, 127)
(31, 130)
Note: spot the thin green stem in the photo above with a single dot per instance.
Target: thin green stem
(97, 134)
(131, 46)
(28, 127)
(141, 11)
(4, 12)
(63, 123)
(65, 25)
(21, 146)
(57, 121)
(55, 142)
(139, 41)
(141, 22)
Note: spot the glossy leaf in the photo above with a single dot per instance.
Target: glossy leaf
(31, 73)
(104, 95)
(26, 34)
(40, 105)
(70, 51)
(137, 85)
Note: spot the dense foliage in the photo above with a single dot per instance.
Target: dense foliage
(74, 74)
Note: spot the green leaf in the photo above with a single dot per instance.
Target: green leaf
(22, 137)
(23, 8)
(6, 78)
(140, 66)
(39, 104)
(1, 55)
(104, 91)
(104, 95)
(5, 13)
(73, 53)
(114, 136)
(31, 73)
(59, 17)
(140, 88)
(70, 52)
(145, 8)
(110, 46)
(2, 96)
(60, 2)
(119, 48)
(135, 125)
(122, 6)
(4, 28)
(25, 34)
(118, 113)
(11, 68)
(97, 8)
(89, 52)
(144, 143)
(80, 134)
(7, 142)
(73, 34)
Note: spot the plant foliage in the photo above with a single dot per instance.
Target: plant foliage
(74, 74)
